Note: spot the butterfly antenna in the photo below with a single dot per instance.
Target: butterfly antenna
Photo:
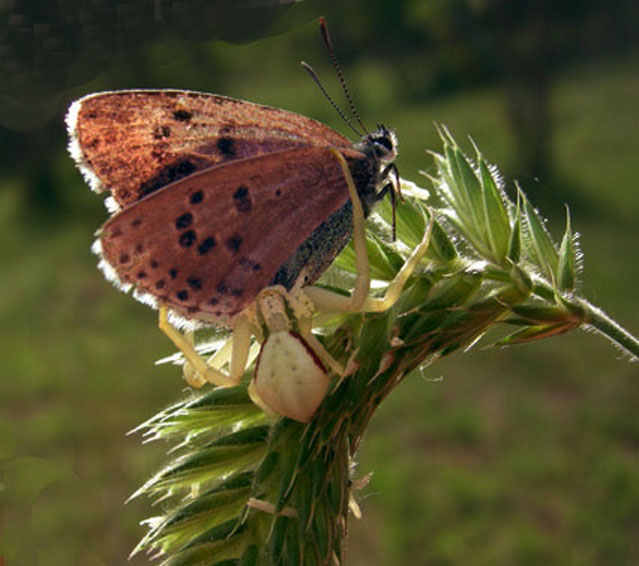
(328, 97)
(340, 74)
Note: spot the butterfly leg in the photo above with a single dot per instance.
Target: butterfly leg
(395, 189)
(359, 300)
(204, 371)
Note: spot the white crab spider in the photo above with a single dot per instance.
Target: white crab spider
(291, 376)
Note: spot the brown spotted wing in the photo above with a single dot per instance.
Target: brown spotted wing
(132, 143)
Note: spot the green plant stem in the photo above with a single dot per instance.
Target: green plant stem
(599, 321)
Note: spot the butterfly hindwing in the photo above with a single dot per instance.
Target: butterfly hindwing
(209, 243)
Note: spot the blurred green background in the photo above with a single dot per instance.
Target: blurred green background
(520, 456)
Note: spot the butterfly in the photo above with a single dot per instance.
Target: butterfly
(225, 212)
(215, 198)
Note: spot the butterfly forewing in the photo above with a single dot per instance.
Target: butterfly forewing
(209, 243)
(162, 136)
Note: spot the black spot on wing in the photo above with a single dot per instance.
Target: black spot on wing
(226, 147)
(234, 243)
(168, 174)
(187, 239)
(161, 132)
(197, 197)
(242, 199)
(183, 221)
(182, 115)
(206, 245)
(182, 295)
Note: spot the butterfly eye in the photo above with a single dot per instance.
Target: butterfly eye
(385, 142)
(383, 147)
(382, 144)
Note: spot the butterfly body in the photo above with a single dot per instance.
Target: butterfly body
(216, 199)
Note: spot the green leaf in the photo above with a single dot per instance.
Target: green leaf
(277, 538)
(415, 295)
(566, 270)
(534, 333)
(453, 292)
(293, 545)
(289, 461)
(217, 543)
(540, 313)
(514, 244)
(211, 463)
(250, 556)
(543, 250)
(470, 188)
(218, 533)
(521, 279)
(498, 227)
(409, 219)
(418, 325)
(410, 222)
(385, 262)
(268, 465)
(441, 247)
(321, 531)
(304, 504)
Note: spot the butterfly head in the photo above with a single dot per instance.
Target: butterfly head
(380, 144)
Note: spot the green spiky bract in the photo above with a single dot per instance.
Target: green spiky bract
(242, 489)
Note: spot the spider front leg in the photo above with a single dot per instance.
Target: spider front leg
(359, 301)
(204, 371)
(395, 191)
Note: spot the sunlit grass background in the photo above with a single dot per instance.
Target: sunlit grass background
(522, 456)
